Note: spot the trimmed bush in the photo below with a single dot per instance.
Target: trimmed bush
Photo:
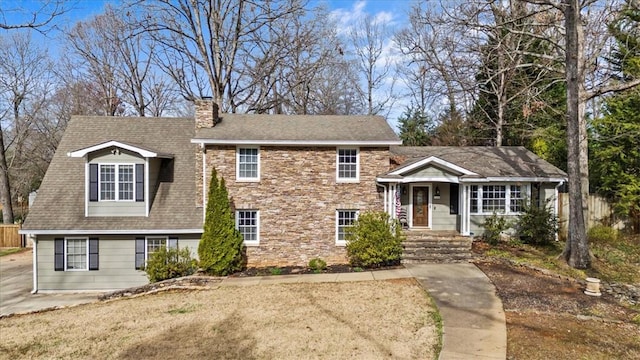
(317, 264)
(374, 240)
(494, 225)
(602, 234)
(221, 248)
(537, 225)
(170, 263)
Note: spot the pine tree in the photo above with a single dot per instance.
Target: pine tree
(415, 127)
(221, 248)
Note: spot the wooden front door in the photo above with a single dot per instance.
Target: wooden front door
(420, 206)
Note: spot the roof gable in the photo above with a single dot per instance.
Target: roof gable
(431, 160)
(144, 152)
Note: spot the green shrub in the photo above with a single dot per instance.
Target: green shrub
(170, 263)
(317, 264)
(221, 248)
(374, 240)
(493, 226)
(537, 225)
(275, 271)
(602, 234)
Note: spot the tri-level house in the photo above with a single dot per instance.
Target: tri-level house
(118, 189)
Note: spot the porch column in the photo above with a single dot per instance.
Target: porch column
(392, 200)
(464, 218)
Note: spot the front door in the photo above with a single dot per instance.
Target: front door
(421, 206)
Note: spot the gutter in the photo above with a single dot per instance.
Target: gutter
(35, 266)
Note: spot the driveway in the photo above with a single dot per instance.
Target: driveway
(16, 283)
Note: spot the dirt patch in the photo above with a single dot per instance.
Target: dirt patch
(375, 319)
(552, 315)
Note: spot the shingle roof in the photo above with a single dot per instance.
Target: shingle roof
(299, 128)
(59, 204)
(505, 161)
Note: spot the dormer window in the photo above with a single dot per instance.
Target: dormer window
(116, 182)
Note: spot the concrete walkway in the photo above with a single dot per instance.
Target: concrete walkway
(473, 317)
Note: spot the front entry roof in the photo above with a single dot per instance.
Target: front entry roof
(471, 164)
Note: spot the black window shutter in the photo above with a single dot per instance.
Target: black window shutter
(172, 243)
(93, 253)
(139, 253)
(93, 182)
(139, 182)
(453, 198)
(59, 254)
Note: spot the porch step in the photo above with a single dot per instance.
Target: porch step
(435, 247)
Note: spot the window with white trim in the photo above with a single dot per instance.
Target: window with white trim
(154, 244)
(348, 164)
(121, 190)
(344, 220)
(248, 163)
(76, 254)
(248, 224)
(501, 199)
(516, 198)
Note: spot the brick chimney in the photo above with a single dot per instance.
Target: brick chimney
(206, 113)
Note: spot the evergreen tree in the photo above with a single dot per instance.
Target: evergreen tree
(616, 150)
(416, 128)
(221, 247)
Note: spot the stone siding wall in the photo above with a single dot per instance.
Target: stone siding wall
(297, 197)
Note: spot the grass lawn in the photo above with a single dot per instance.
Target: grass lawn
(364, 320)
(10, 250)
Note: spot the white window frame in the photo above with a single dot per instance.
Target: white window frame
(66, 252)
(255, 242)
(347, 179)
(343, 242)
(525, 190)
(146, 244)
(247, 179)
(117, 181)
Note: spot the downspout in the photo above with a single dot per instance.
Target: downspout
(35, 265)
(204, 181)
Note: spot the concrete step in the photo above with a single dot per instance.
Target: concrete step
(435, 247)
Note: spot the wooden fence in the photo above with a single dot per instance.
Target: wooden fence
(600, 213)
(9, 236)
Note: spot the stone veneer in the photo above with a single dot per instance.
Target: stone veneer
(297, 197)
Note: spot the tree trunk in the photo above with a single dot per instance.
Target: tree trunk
(5, 186)
(576, 251)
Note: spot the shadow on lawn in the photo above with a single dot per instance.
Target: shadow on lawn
(198, 340)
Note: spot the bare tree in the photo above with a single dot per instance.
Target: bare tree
(40, 19)
(438, 65)
(368, 38)
(23, 85)
(203, 42)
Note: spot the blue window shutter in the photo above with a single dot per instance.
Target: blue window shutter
(139, 182)
(140, 253)
(93, 182)
(93, 253)
(172, 243)
(58, 254)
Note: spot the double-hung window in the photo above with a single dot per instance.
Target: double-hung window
(502, 199)
(146, 246)
(348, 165)
(248, 224)
(117, 182)
(75, 254)
(248, 164)
(344, 220)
